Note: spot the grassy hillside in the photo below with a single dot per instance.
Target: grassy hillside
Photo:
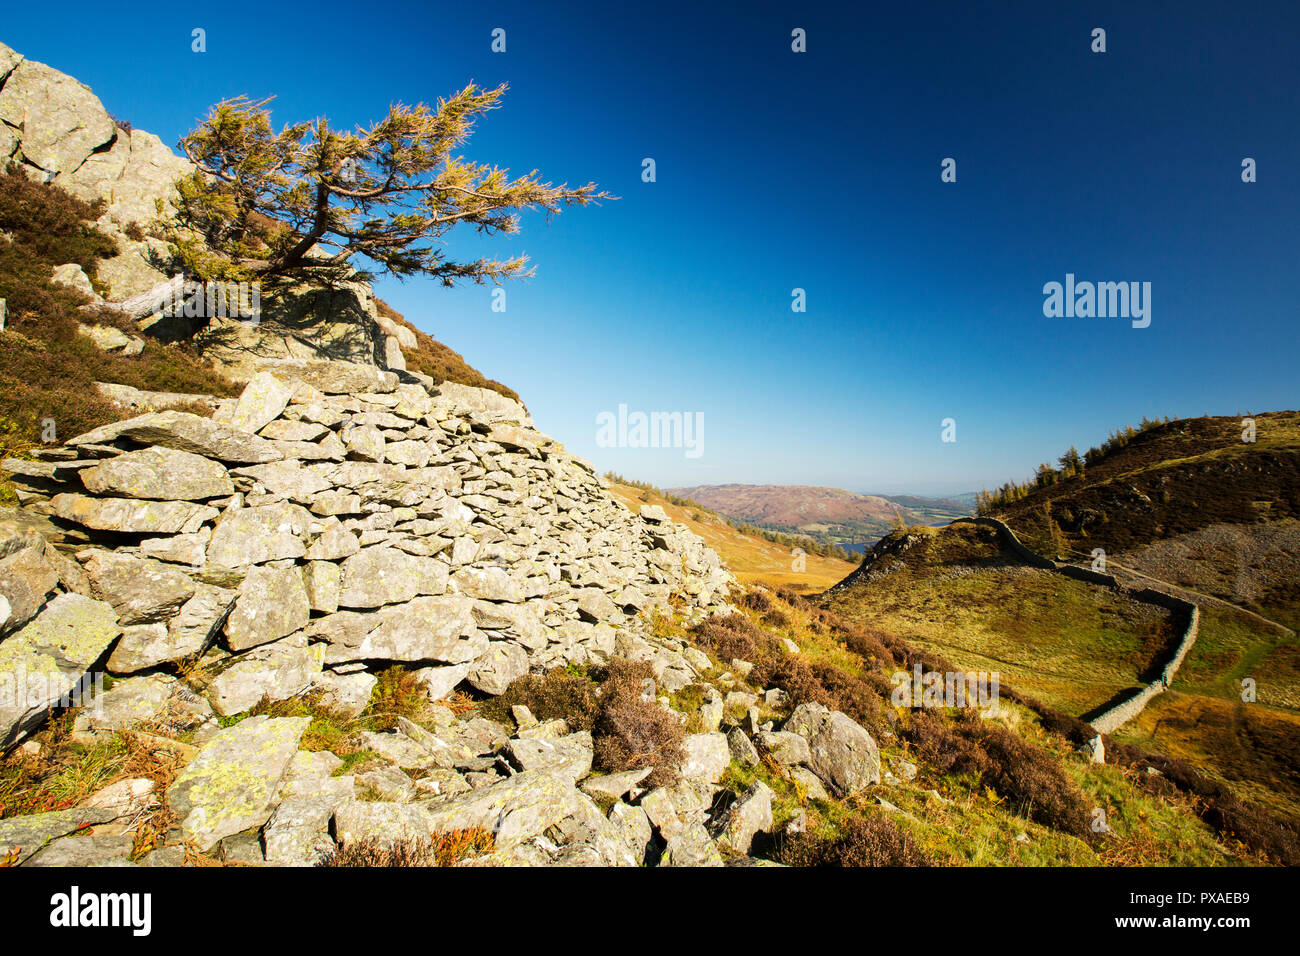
(750, 557)
(47, 367)
(957, 592)
(1187, 504)
(1072, 646)
(1171, 479)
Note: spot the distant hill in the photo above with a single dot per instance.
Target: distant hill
(827, 515)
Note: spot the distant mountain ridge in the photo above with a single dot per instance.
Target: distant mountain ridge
(828, 515)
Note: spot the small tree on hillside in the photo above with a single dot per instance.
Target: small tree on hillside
(310, 198)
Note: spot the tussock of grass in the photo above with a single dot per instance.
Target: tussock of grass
(440, 849)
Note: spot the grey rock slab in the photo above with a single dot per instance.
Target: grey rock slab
(380, 575)
(256, 535)
(434, 629)
(345, 694)
(139, 589)
(843, 754)
(749, 815)
(26, 579)
(568, 758)
(356, 821)
(276, 671)
(184, 636)
(186, 432)
(130, 515)
(707, 757)
(49, 657)
(297, 834)
(784, 747)
(614, 785)
(261, 402)
(501, 664)
(22, 837)
(231, 784)
(93, 851)
(272, 604)
(160, 474)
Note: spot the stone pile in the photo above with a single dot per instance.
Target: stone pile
(330, 522)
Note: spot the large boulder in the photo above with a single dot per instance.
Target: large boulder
(48, 658)
(162, 474)
(232, 782)
(61, 121)
(842, 754)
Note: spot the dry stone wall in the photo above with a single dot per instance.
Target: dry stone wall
(330, 522)
(1117, 716)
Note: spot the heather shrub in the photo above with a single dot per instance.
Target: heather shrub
(864, 841)
(555, 695)
(628, 731)
(440, 849)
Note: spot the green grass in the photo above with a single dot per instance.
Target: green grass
(1070, 644)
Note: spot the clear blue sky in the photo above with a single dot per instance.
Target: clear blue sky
(821, 171)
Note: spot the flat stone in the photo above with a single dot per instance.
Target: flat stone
(160, 474)
(48, 658)
(186, 432)
(260, 534)
(568, 758)
(261, 402)
(272, 603)
(139, 589)
(276, 671)
(230, 785)
(131, 516)
(381, 575)
(23, 837)
(488, 584)
(297, 832)
(26, 578)
(345, 694)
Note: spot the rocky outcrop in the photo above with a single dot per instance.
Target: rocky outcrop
(56, 130)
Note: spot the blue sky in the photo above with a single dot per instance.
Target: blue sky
(819, 171)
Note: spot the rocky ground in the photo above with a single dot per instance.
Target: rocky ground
(330, 523)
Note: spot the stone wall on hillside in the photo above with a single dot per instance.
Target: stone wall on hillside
(1111, 719)
(331, 522)
(1184, 611)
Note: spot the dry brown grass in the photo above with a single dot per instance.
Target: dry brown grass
(440, 849)
(430, 357)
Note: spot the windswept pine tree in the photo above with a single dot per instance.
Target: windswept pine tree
(310, 199)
